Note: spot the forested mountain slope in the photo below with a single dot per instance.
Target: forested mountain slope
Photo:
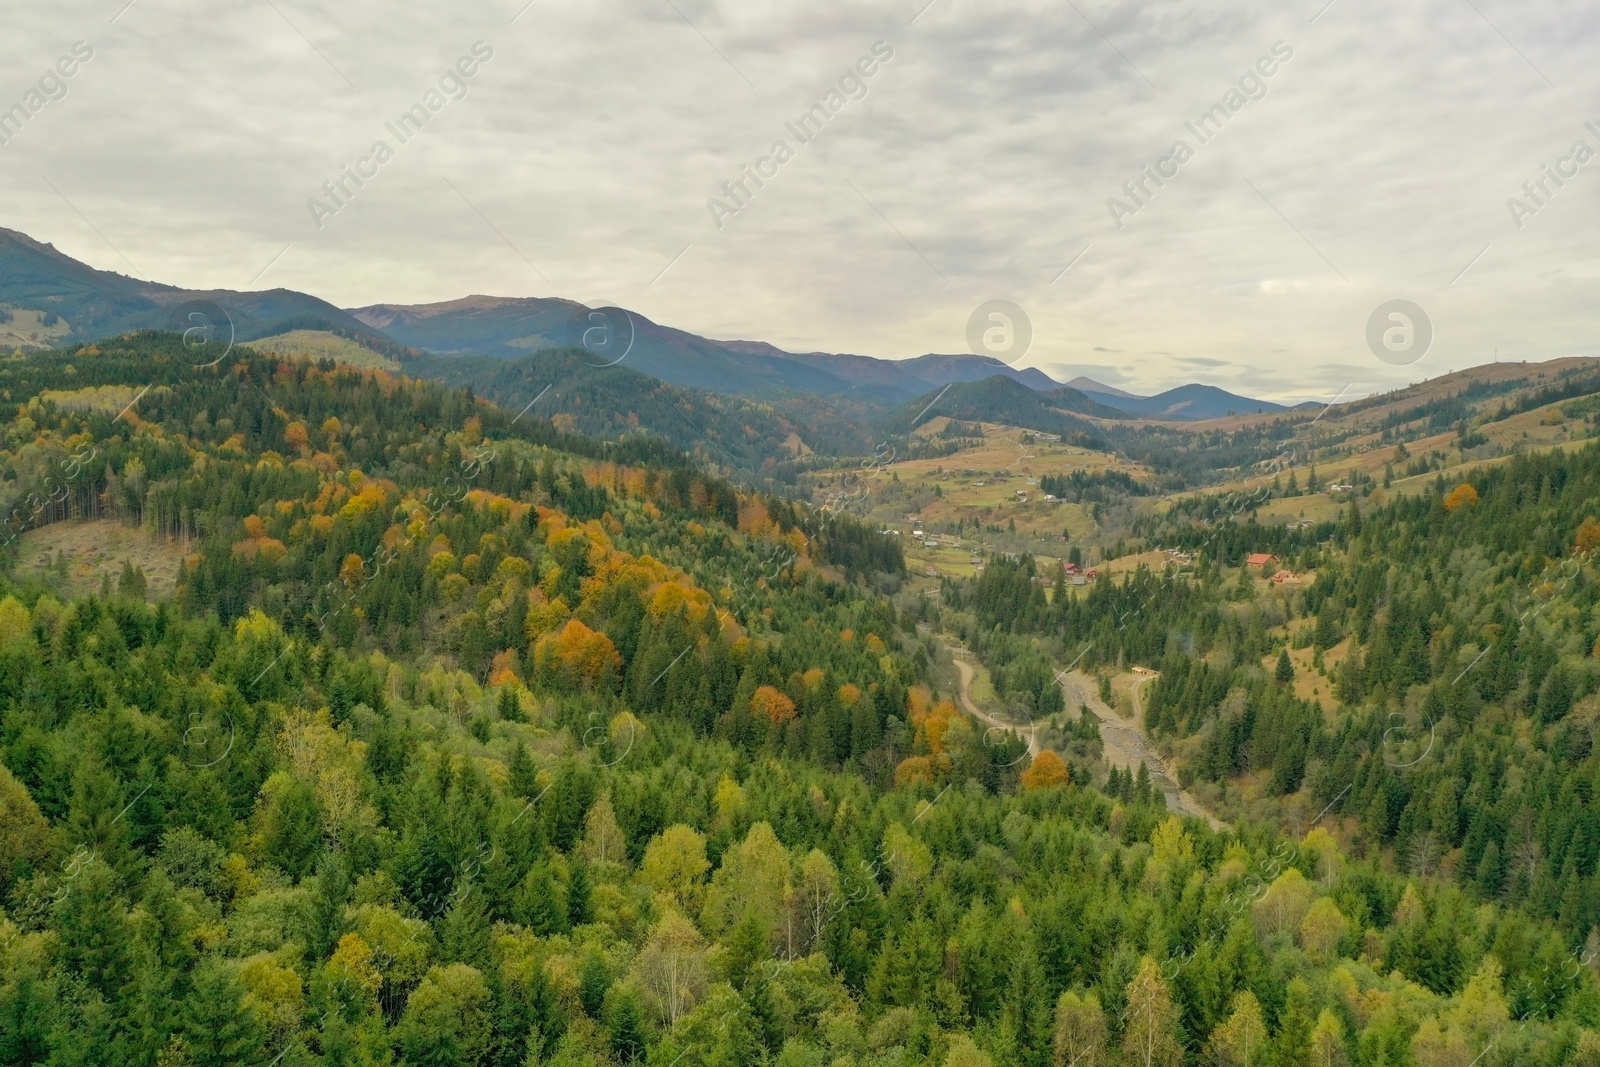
(465, 740)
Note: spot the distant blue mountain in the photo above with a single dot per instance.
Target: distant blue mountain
(1187, 402)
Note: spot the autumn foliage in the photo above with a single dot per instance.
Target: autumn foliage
(256, 543)
(772, 703)
(1462, 496)
(1588, 538)
(576, 655)
(1046, 771)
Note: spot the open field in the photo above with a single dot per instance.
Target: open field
(92, 550)
(26, 329)
(319, 344)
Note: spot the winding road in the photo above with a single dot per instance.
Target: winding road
(1125, 743)
(965, 669)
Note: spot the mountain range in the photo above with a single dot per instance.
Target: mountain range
(48, 298)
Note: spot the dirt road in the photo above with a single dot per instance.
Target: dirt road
(967, 673)
(1126, 745)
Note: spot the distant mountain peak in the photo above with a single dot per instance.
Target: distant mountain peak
(1086, 384)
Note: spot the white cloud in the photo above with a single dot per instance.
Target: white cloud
(981, 160)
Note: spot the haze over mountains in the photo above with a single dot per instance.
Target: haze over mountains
(55, 299)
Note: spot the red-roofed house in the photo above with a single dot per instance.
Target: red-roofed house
(1261, 559)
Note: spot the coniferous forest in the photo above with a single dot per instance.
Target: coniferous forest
(461, 739)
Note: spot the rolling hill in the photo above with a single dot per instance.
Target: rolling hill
(77, 303)
(452, 737)
(49, 299)
(1186, 402)
(1004, 400)
(511, 327)
(748, 440)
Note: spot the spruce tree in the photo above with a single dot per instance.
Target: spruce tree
(92, 925)
(218, 1029)
(625, 1021)
(464, 930)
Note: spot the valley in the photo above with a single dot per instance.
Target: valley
(362, 702)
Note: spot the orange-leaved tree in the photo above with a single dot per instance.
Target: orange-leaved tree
(576, 656)
(1588, 538)
(1046, 771)
(772, 703)
(1463, 495)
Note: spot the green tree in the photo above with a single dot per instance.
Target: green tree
(464, 931)
(594, 981)
(446, 1021)
(218, 1029)
(291, 823)
(91, 920)
(626, 1024)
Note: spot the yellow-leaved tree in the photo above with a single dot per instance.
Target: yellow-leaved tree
(1150, 1038)
(577, 657)
(674, 864)
(751, 882)
(1323, 928)
(1240, 1040)
(670, 971)
(1045, 772)
(1080, 1038)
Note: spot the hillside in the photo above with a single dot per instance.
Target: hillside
(90, 304)
(508, 328)
(1186, 402)
(465, 739)
(754, 442)
(1453, 632)
(1000, 399)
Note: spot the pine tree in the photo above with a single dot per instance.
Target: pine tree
(625, 1021)
(91, 922)
(218, 1029)
(579, 891)
(1143, 792)
(464, 931)
(1284, 674)
(1027, 1007)
(594, 980)
(540, 904)
(510, 707)
(521, 775)
(333, 893)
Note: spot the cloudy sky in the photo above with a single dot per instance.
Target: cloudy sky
(1374, 164)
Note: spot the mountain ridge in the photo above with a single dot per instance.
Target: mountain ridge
(94, 304)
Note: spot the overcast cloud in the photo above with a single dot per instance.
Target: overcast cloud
(977, 165)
